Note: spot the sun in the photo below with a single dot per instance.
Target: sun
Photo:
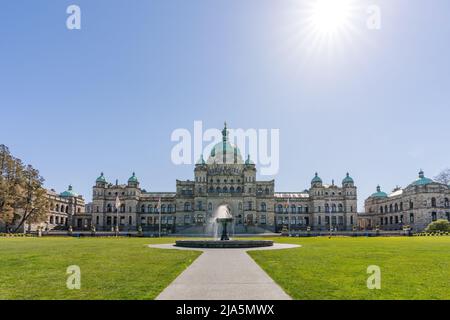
(330, 16)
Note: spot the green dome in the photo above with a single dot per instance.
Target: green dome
(68, 193)
(224, 151)
(101, 178)
(379, 193)
(133, 178)
(316, 179)
(347, 179)
(422, 180)
(224, 147)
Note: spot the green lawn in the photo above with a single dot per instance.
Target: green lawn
(411, 268)
(124, 268)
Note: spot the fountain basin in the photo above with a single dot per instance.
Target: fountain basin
(223, 244)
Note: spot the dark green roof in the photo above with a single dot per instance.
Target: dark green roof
(68, 193)
(422, 180)
(347, 179)
(316, 179)
(379, 193)
(101, 178)
(133, 178)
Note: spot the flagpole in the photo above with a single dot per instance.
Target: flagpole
(117, 205)
(159, 220)
(289, 217)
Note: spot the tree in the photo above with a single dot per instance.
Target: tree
(438, 225)
(443, 176)
(22, 196)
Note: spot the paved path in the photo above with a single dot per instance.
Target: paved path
(224, 274)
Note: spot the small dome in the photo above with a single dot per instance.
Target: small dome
(133, 178)
(69, 193)
(101, 178)
(347, 179)
(379, 193)
(422, 180)
(316, 179)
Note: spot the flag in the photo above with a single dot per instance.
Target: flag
(159, 218)
(159, 205)
(117, 204)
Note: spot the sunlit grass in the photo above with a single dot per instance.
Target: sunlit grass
(124, 268)
(411, 268)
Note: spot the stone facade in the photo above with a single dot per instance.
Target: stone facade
(415, 206)
(64, 210)
(224, 179)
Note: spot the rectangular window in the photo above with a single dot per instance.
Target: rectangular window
(411, 217)
(433, 216)
(263, 219)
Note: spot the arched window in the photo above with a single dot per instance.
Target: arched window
(340, 207)
(232, 189)
(225, 190)
(218, 189)
(163, 208)
(411, 205)
(293, 208)
(238, 190)
(67, 209)
(300, 209)
(327, 208)
(396, 207)
(433, 202)
(210, 206)
(333, 208)
(143, 209)
(381, 209)
(267, 191)
(150, 208)
(211, 189)
(187, 206)
(170, 208)
(390, 208)
(280, 208)
(446, 203)
(386, 209)
(108, 207)
(263, 207)
(240, 206)
(306, 209)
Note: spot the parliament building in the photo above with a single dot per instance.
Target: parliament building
(224, 178)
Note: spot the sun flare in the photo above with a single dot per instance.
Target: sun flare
(330, 16)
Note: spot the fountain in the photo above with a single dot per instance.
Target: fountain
(223, 217)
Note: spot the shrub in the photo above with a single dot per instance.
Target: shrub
(439, 226)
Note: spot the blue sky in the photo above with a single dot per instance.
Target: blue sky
(107, 97)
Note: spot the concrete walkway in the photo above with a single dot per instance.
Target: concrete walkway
(224, 274)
